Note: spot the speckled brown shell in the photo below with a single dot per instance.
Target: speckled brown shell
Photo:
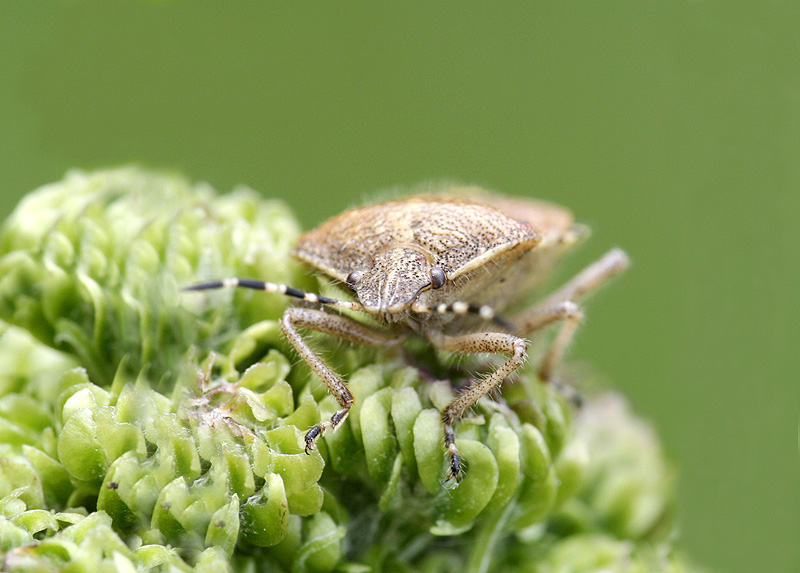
(460, 234)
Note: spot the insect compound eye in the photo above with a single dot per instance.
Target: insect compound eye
(437, 277)
(353, 278)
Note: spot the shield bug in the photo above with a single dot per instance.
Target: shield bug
(442, 267)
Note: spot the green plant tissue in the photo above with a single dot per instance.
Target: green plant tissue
(143, 428)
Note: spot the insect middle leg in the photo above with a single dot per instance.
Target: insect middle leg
(493, 342)
(335, 325)
(561, 306)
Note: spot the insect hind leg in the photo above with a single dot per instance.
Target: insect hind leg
(561, 306)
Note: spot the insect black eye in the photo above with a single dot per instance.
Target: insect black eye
(437, 277)
(353, 278)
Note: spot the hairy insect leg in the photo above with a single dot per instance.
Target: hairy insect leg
(542, 316)
(561, 306)
(335, 325)
(493, 342)
(593, 277)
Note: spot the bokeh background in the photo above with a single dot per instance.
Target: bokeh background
(672, 128)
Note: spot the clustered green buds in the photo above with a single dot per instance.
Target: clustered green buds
(144, 428)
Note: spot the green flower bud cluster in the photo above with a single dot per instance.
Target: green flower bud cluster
(628, 484)
(166, 431)
(622, 516)
(92, 265)
(213, 468)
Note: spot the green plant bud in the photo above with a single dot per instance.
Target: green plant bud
(380, 446)
(321, 550)
(629, 484)
(595, 552)
(285, 551)
(428, 449)
(117, 438)
(160, 557)
(249, 407)
(538, 490)
(12, 535)
(81, 395)
(249, 346)
(213, 560)
(67, 518)
(364, 382)
(266, 373)
(391, 498)
(440, 394)
(168, 512)
(306, 502)
(406, 406)
(557, 423)
(79, 449)
(340, 448)
(117, 493)
(505, 447)
(19, 487)
(29, 367)
(12, 434)
(28, 415)
(570, 468)
(456, 511)
(36, 521)
(97, 521)
(56, 485)
(299, 471)
(306, 415)
(240, 472)
(265, 518)
(13, 506)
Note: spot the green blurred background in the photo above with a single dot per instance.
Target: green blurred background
(672, 128)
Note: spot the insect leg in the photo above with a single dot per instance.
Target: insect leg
(342, 327)
(494, 342)
(561, 306)
(593, 277)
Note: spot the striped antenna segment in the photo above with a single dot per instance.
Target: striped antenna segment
(276, 288)
(484, 311)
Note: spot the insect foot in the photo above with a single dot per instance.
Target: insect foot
(443, 268)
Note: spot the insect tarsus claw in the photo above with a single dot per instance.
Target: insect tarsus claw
(455, 469)
(311, 437)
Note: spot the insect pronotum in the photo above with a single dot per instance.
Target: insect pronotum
(442, 267)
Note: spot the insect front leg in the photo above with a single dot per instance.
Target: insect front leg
(493, 342)
(561, 306)
(335, 325)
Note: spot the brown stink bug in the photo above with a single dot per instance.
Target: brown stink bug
(442, 267)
